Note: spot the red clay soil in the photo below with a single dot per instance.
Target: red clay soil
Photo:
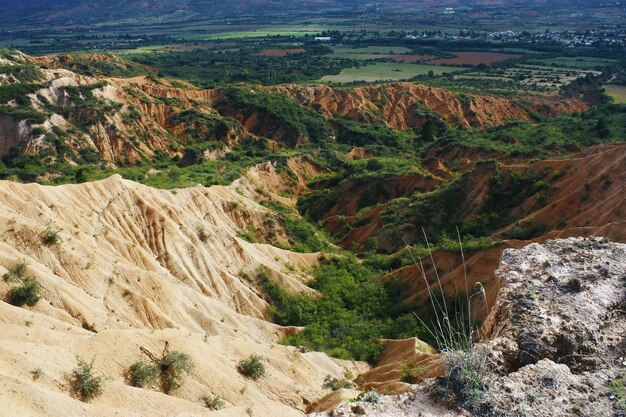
(385, 377)
(352, 195)
(397, 104)
(588, 199)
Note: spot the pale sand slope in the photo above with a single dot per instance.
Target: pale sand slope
(134, 267)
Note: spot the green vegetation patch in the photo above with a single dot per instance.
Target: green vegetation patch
(252, 367)
(85, 383)
(110, 66)
(354, 312)
(583, 62)
(22, 73)
(616, 92)
(285, 111)
(225, 65)
(387, 71)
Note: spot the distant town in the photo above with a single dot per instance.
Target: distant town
(589, 38)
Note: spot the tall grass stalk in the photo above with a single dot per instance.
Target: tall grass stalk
(466, 360)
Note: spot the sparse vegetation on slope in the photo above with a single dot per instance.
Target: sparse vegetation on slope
(252, 367)
(26, 292)
(85, 382)
(334, 384)
(173, 366)
(213, 402)
(142, 374)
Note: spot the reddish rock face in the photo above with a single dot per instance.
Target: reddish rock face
(396, 105)
(135, 118)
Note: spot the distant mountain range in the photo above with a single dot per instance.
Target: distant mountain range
(90, 11)
(72, 12)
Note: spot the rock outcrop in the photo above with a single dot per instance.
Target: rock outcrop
(559, 329)
(554, 341)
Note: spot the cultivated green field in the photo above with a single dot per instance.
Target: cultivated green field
(386, 71)
(617, 92)
(255, 34)
(576, 62)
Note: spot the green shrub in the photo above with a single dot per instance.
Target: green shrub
(25, 293)
(617, 390)
(466, 379)
(251, 367)
(51, 237)
(285, 113)
(304, 236)
(173, 366)
(333, 384)
(86, 385)
(38, 131)
(360, 134)
(143, 374)
(249, 235)
(15, 273)
(526, 229)
(410, 372)
(213, 403)
(371, 396)
(354, 312)
(37, 373)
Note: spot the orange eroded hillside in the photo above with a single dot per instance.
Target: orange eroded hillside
(143, 116)
(396, 104)
(588, 199)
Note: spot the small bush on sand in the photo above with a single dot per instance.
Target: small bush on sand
(84, 382)
(25, 293)
(410, 372)
(252, 367)
(466, 377)
(143, 374)
(213, 403)
(334, 384)
(173, 366)
(51, 237)
(16, 273)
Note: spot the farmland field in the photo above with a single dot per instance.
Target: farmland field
(575, 62)
(474, 58)
(533, 77)
(370, 52)
(402, 54)
(383, 71)
(617, 92)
